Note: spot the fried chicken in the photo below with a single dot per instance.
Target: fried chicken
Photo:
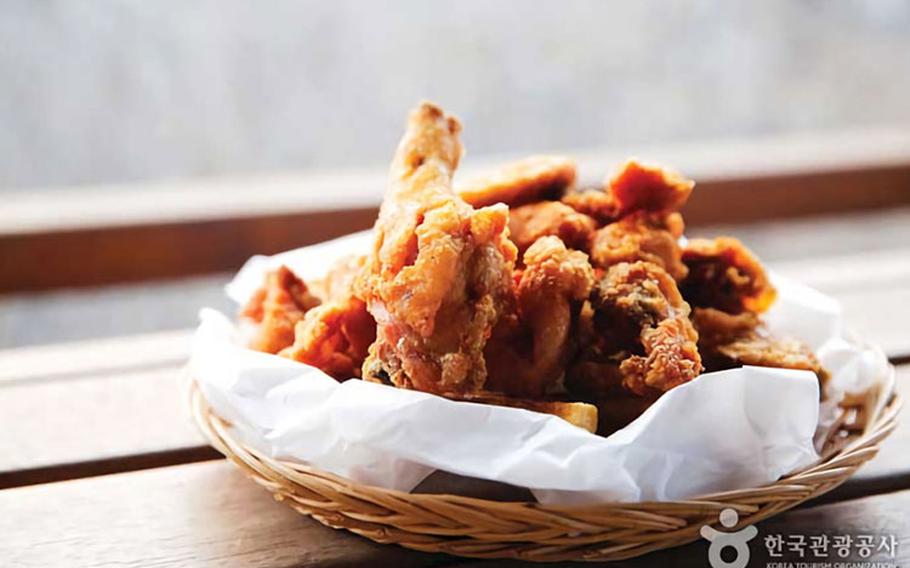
(634, 187)
(641, 324)
(525, 181)
(641, 236)
(339, 280)
(727, 341)
(528, 223)
(334, 337)
(639, 206)
(529, 349)
(643, 187)
(724, 274)
(439, 275)
(276, 307)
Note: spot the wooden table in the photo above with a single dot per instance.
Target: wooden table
(101, 466)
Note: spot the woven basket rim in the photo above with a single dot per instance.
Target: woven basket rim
(528, 530)
(874, 433)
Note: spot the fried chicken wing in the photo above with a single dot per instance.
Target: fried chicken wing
(528, 351)
(525, 181)
(276, 307)
(648, 320)
(528, 223)
(733, 340)
(440, 272)
(334, 337)
(724, 274)
(640, 236)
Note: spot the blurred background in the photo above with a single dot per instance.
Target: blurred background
(106, 93)
(114, 91)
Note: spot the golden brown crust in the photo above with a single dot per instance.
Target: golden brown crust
(276, 307)
(528, 223)
(642, 297)
(644, 237)
(528, 351)
(724, 274)
(637, 186)
(340, 279)
(334, 337)
(727, 341)
(525, 181)
(440, 271)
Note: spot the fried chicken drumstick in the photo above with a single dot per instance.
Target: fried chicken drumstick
(440, 271)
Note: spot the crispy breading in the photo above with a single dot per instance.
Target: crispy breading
(637, 186)
(733, 340)
(527, 352)
(334, 337)
(528, 223)
(525, 181)
(633, 188)
(650, 320)
(339, 280)
(724, 274)
(276, 307)
(648, 237)
(439, 275)
(594, 202)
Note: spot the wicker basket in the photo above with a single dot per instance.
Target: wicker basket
(479, 528)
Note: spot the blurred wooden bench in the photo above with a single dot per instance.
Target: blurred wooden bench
(100, 465)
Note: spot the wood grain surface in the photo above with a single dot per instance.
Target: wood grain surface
(205, 514)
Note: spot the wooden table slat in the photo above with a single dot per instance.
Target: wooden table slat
(65, 429)
(190, 515)
(95, 357)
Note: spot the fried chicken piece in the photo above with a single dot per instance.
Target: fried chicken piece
(339, 280)
(648, 237)
(727, 341)
(594, 202)
(637, 343)
(643, 187)
(599, 383)
(440, 271)
(276, 307)
(529, 349)
(634, 187)
(724, 274)
(525, 181)
(649, 320)
(335, 337)
(528, 223)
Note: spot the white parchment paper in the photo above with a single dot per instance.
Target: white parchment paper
(725, 430)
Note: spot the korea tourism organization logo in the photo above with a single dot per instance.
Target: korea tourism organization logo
(738, 541)
(732, 549)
